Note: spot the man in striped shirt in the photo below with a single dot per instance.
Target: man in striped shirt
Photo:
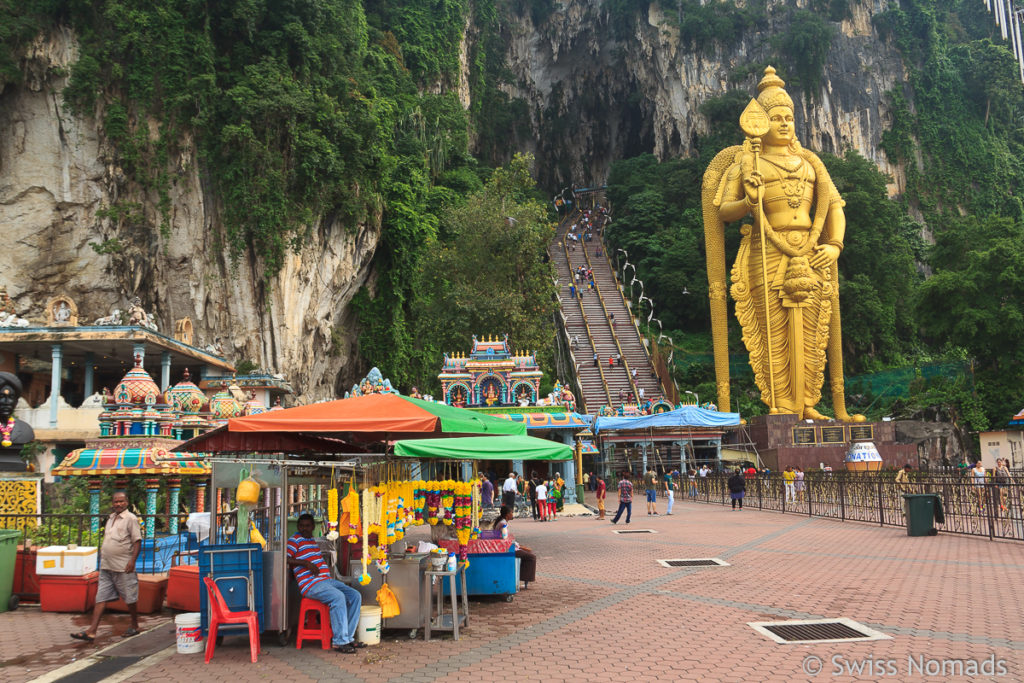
(313, 575)
(625, 499)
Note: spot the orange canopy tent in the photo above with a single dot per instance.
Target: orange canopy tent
(373, 417)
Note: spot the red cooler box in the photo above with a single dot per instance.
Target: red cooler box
(183, 588)
(68, 593)
(152, 588)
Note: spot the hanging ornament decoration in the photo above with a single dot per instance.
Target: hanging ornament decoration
(5, 432)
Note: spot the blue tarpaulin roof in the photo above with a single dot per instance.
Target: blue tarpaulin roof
(687, 416)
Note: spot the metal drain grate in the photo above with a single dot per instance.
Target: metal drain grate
(634, 531)
(695, 562)
(840, 630)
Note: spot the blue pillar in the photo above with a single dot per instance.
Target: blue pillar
(94, 504)
(89, 360)
(152, 486)
(467, 471)
(174, 492)
(517, 467)
(55, 377)
(165, 370)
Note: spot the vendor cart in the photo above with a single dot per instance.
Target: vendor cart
(271, 519)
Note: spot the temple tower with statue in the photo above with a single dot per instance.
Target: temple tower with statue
(491, 375)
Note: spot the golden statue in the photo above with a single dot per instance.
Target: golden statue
(791, 326)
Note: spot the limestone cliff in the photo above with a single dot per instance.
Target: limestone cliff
(57, 172)
(595, 98)
(592, 98)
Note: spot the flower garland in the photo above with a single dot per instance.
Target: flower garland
(6, 430)
(351, 505)
(364, 578)
(332, 513)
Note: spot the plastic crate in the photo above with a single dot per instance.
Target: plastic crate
(152, 588)
(68, 593)
(238, 572)
(183, 588)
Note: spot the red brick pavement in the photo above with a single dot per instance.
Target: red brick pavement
(34, 642)
(603, 609)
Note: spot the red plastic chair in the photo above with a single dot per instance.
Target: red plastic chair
(308, 631)
(220, 615)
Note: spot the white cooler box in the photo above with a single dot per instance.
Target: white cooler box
(59, 560)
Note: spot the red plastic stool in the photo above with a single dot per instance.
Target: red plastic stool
(307, 608)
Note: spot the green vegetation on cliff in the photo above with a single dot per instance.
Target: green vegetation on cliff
(957, 130)
(309, 115)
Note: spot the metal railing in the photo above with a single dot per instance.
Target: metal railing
(991, 509)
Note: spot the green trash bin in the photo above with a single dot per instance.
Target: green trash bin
(922, 510)
(8, 556)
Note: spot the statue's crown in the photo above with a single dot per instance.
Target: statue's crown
(771, 91)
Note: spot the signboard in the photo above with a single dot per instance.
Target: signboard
(833, 434)
(862, 432)
(803, 436)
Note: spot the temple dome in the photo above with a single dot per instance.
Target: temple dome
(186, 397)
(254, 406)
(137, 387)
(224, 406)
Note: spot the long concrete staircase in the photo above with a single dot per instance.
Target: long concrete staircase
(588, 318)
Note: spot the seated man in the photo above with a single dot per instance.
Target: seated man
(307, 562)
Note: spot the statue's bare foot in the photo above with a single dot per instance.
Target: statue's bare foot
(846, 417)
(812, 414)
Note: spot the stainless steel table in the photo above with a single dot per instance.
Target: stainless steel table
(442, 621)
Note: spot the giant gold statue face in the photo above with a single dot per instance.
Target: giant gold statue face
(781, 131)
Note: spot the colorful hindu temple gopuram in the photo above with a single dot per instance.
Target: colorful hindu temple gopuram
(491, 375)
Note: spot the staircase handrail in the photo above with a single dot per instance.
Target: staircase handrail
(586, 322)
(582, 403)
(615, 336)
(636, 325)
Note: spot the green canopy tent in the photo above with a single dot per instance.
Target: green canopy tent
(484, 448)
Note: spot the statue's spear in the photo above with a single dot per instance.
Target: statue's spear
(754, 122)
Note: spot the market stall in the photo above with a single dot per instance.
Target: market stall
(311, 449)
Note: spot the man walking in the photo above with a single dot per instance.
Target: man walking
(625, 498)
(486, 491)
(313, 576)
(122, 541)
(601, 492)
(651, 489)
(508, 491)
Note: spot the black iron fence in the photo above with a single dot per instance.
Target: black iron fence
(161, 548)
(992, 509)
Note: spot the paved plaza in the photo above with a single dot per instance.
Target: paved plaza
(603, 609)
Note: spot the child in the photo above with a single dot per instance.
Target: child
(553, 499)
(542, 500)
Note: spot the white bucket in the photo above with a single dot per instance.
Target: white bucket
(369, 625)
(189, 632)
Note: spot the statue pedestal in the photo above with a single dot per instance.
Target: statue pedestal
(785, 441)
(10, 459)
